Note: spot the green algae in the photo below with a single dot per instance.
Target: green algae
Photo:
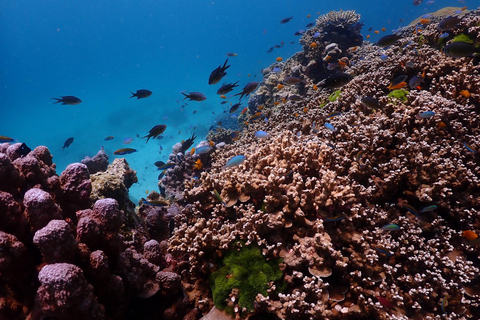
(462, 37)
(399, 94)
(335, 95)
(247, 271)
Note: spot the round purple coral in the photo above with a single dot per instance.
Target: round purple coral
(64, 293)
(56, 242)
(75, 182)
(108, 215)
(40, 208)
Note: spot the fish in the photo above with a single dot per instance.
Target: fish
(317, 34)
(415, 82)
(411, 209)
(390, 227)
(67, 143)
(226, 88)
(336, 218)
(127, 140)
(159, 163)
(162, 174)
(255, 116)
(23, 150)
(385, 302)
(198, 164)
(371, 103)
(448, 23)
(428, 208)
(469, 235)
(123, 151)
(388, 40)
(383, 250)
(219, 198)
(337, 80)
(142, 93)
(398, 82)
(218, 73)
(292, 80)
(203, 150)
(295, 97)
(444, 35)
(224, 102)
(311, 24)
(270, 49)
(444, 304)
(5, 139)
(261, 135)
(299, 32)
(70, 100)
(155, 131)
(469, 148)
(195, 96)
(417, 2)
(249, 88)
(167, 166)
(109, 138)
(234, 161)
(330, 127)
(187, 143)
(426, 114)
(231, 54)
(460, 49)
(155, 203)
(235, 107)
(286, 20)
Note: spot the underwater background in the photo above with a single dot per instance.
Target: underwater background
(102, 51)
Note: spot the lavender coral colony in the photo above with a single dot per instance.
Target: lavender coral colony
(356, 196)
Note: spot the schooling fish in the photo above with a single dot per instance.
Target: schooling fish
(142, 93)
(249, 88)
(5, 139)
(71, 100)
(337, 80)
(218, 73)
(235, 107)
(195, 96)
(460, 49)
(226, 88)
(388, 40)
(67, 143)
(235, 161)
(398, 82)
(155, 131)
(124, 151)
(203, 150)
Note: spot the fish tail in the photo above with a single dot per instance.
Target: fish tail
(133, 95)
(58, 100)
(225, 64)
(186, 96)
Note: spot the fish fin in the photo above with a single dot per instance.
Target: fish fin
(133, 95)
(58, 100)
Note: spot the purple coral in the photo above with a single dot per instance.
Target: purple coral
(56, 242)
(40, 208)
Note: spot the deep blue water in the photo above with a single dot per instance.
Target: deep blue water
(100, 51)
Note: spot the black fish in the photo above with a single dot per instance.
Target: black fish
(460, 49)
(187, 143)
(311, 24)
(270, 50)
(23, 150)
(195, 96)
(68, 100)
(142, 93)
(67, 143)
(417, 2)
(337, 80)
(388, 40)
(448, 23)
(235, 107)
(223, 102)
(155, 131)
(158, 164)
(226, 88)
(249, 88)
(277, 46)
(371, 103)
(218, 73)
(286, 20)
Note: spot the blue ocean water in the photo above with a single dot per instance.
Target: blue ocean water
(101, 51)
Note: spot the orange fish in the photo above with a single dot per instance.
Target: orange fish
(283, 100)
(279, 59)
(376, 32)
(305, 109)
(368, 36)
(383, 29)
(341, 63)
(147, 192)
(470, 235)
(313, 45)
(192, 152)
(244, 110)
(398, 86)
(315, 87)
(280, 86)
(424, 21)
(296, 114)
(255, 116)
(328, 58)
(441, 125)
(211, 143)
(223, 96)
(198, 164)
(246, 123)
(260, 108)
(308, 16)
(276, 103)
(465, 93)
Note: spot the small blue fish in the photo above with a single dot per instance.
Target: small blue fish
(390, 227)
(383, 57)
(203, 150)
(333, 114)
(162, 174)
(316, 34)
(314, 129)
(469, 148)
(444, 35)
(411, 209)
(261, 135)
(428, 208)
(426, 16)
(235, 161)
(277, 70)
(336, 218)
(426, 114)
(384, 251)
(330, 127)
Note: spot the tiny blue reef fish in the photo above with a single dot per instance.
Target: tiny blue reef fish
(390, 227)
(235, 161)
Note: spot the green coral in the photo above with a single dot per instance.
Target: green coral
(334, 96)
(462, 37)
(247, 271)
(399, 94)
